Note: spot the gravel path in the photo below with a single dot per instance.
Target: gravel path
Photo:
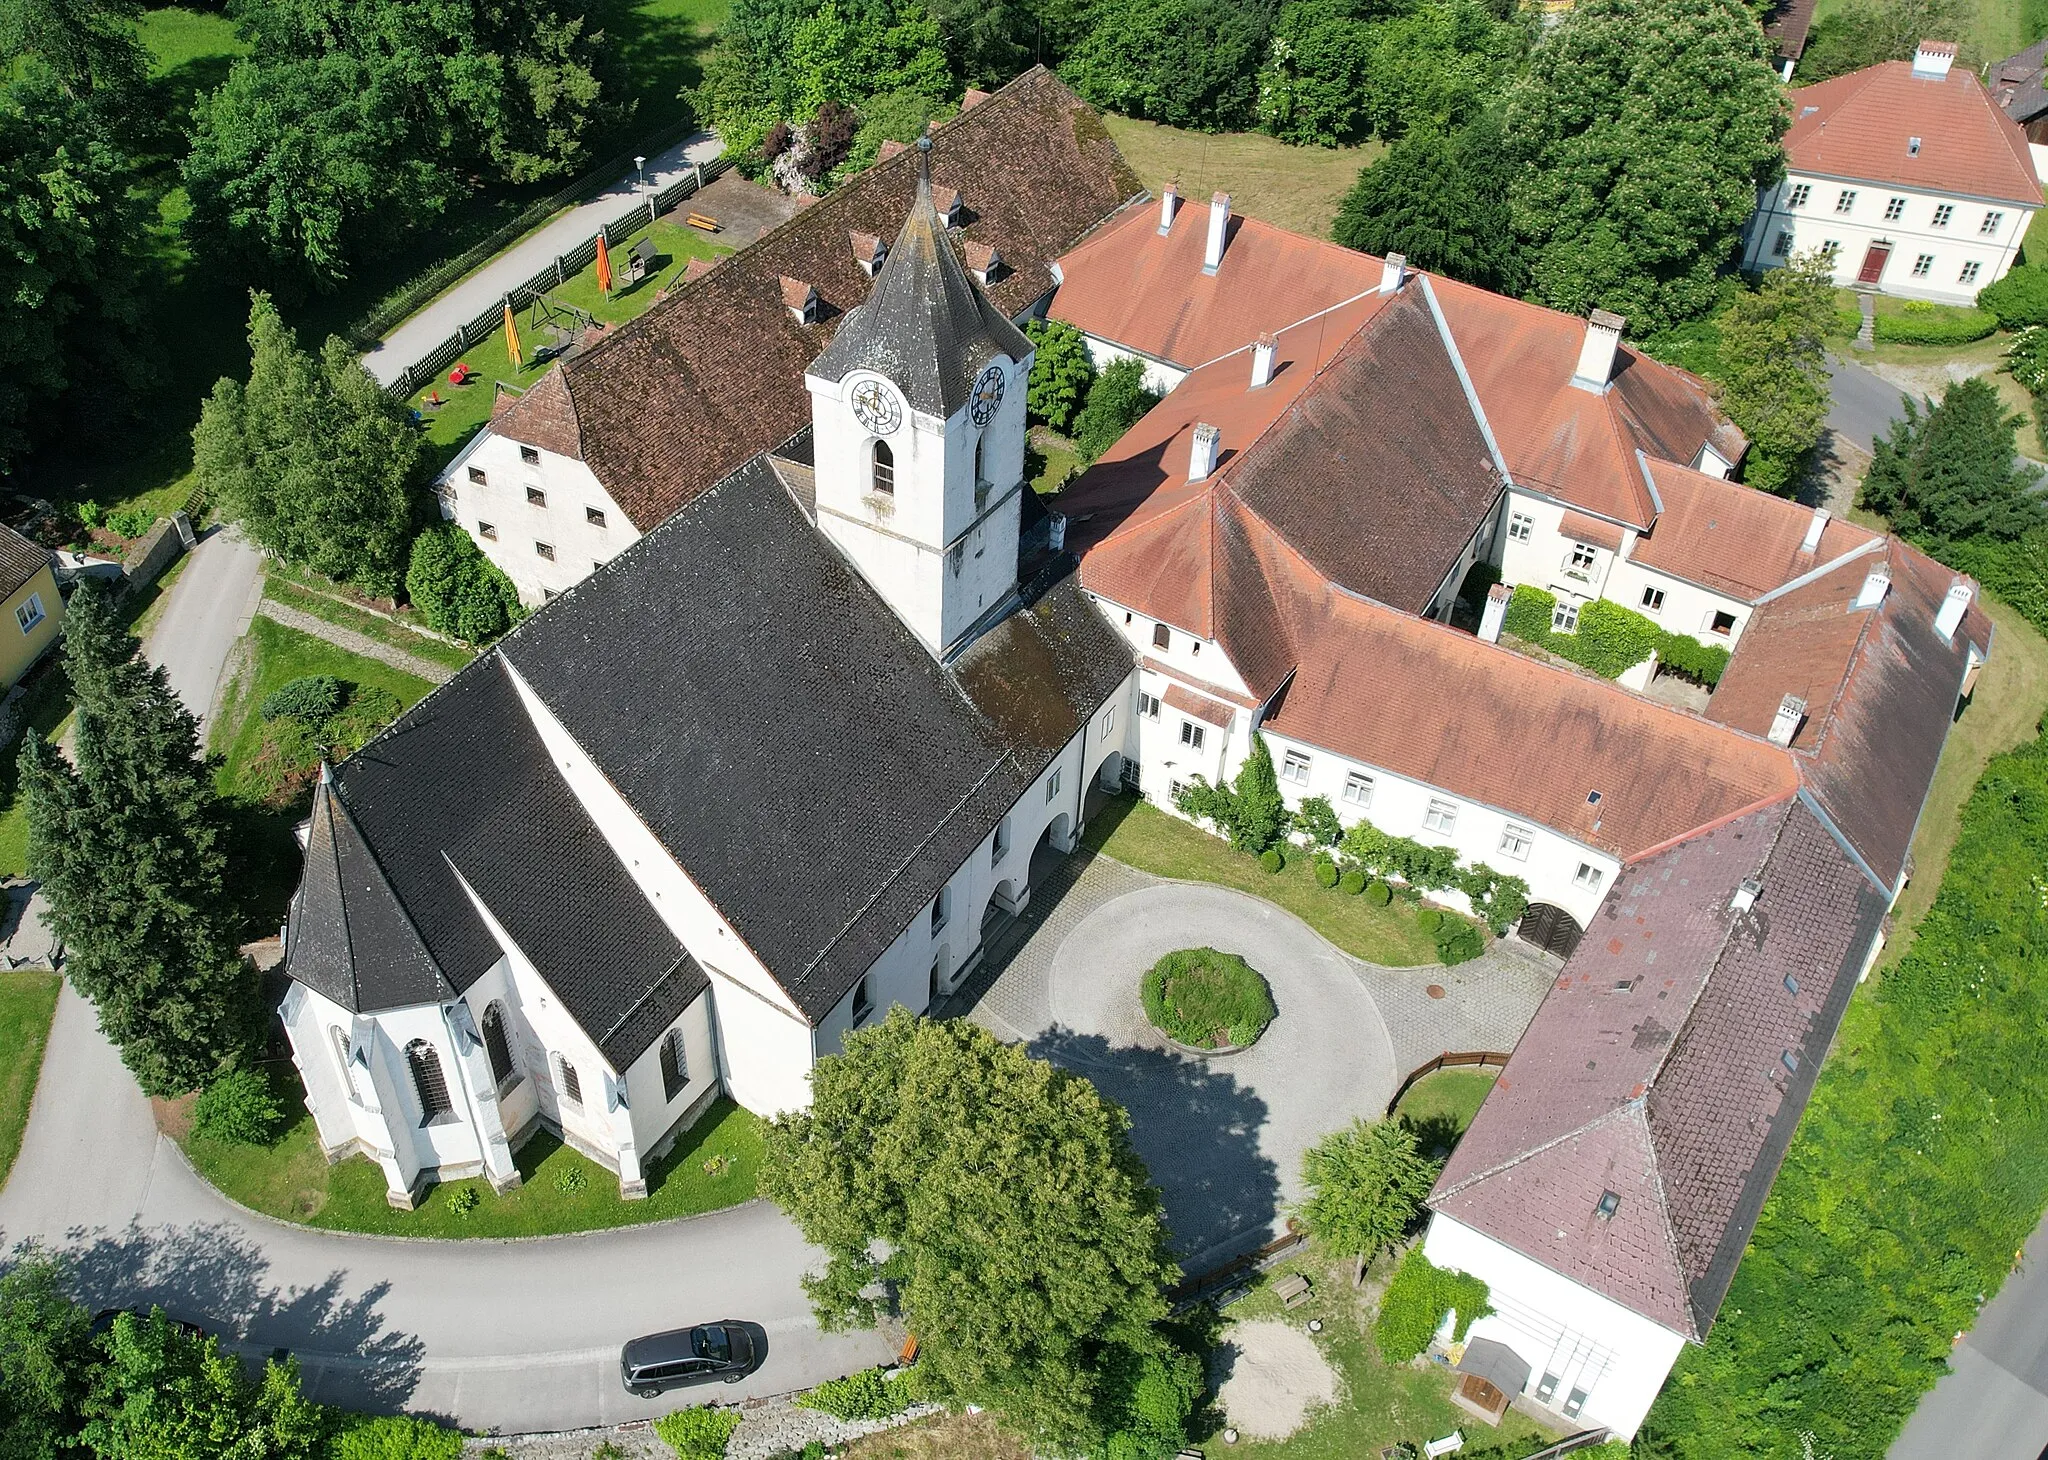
(355, 643)
(1274, 1376)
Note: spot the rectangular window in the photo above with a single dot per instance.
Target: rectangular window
(1845, 201)
(1832, 247)
(1148, 705)
(1564, 617)
(1575, 1402)
(1109, 719)
(1942, 213)
(1295, 768)
(1992, 222)
(29, 614)
(1799, 194)
(1441, 817)
(1052, 785)
(1653, 600)
(1894, 210)
(1970, 272)
(487, 530)
(1520, 525)
(1722, 623)
(1192, 735)
(1515, 841)
(544, 550)
(593, 516)
(529, 455)
(1923, 265)
(1589, 877)
(1358, 789)
(535, 497)
(1582, 559)
(476, 474)
(1781, 246)
(1162, 637)
(1547, 1390)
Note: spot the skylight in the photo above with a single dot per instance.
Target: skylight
(1610, 1203)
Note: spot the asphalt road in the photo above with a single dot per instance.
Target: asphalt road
(1863, 404)
(505, 1336)
(1994, 1405)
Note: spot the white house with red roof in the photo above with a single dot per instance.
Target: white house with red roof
(1908, 174)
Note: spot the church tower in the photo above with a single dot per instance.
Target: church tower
(917, 412)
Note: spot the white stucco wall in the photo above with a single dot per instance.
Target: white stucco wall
(1817, 222)
(654, 1114)
(1160, 377)
(500, 501)
(1560, 1327)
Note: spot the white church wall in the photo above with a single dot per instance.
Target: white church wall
(1399, 805)
(654, 1114)
(765, 1048)
(334, 1096)
(486, 490)
(1614, 1356)
(519, 1102)
(450, 1146)
(1160, 377)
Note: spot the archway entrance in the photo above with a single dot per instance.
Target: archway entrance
(1550, 928)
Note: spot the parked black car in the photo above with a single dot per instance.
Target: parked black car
(685, 1356)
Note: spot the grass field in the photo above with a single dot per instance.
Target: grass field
(1294, 187)
(1142, 836)
(28, 1001)
(942, 1437)
(1994, 31)
(1443, 1104)
(292, 1180)
(295, 589)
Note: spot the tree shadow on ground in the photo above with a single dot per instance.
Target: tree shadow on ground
(213, 1275)
(1197, 1130)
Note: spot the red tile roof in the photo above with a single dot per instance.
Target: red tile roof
(1669, 1066)
(1735, 539)
(1200, 706)
(1591, 530)
(1857, 127)
(1148, 293)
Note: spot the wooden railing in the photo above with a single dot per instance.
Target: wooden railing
(1485, 1059)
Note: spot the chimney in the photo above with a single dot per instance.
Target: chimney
(801, 300)
(868, 252)
(1219, 226)
(1056, 531)
(1932, 59)
(1495, 613)
(1169, 204)
(1949, 617)
(1393, 273)
(1262, 360)
(1596, 356)
(1202, 456)
(1785, 724)
(1745, 896)
(1874, 588)
(1815, 526)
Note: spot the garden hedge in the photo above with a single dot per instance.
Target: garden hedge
(1922, 323)
(2019, 299)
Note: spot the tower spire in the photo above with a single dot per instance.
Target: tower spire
(924, 171)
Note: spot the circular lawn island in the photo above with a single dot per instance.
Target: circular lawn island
(1207, 1001)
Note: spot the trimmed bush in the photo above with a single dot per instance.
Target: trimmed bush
(698, 1434)
(1379, 894)
(870, 1394)
(395, 1437)
(311, 697)
(1430, 920)
(2019, 299)
(1416, 1302)
(1326, 871)
(1922, 323)
(457, 589)
(1458, 942)
(1271, 859)
(238, 1107)
(1353, 882)
(1207, 999)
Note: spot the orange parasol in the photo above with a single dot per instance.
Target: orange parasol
(512, 338)
(604, 266)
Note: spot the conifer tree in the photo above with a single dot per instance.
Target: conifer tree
(127, 842)
(1949, 472)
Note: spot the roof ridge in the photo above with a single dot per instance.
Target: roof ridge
(1640, 1107)
(1603, 1117)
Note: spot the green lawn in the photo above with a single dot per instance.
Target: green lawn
(47, 707)
(1049, 460)
(1273, 181)
(28, 1000)
(292, 1180)
(1442, 1104)
(1379, 1404)
(1142, 836)
(293, 587)
(1994, 30)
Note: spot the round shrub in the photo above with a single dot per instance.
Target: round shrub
(313, 697)
(698, 1434)
(1458, 941)
(1207, 999)
(238, 1107)
(1353, 882)
(463, 1200)
(1271, 859)
(1326, 871)
(1379, 894)
(1430, 919)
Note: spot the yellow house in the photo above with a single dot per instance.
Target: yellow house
(32, 612)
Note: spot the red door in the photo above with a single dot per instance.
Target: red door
(1873, 263)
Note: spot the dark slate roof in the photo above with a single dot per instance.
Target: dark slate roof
(770, 719)
(925, 325)
(461, 790)
(20, 560)
(1669, 1065)
(2019, 83)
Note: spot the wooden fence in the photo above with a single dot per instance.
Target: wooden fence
(1239, 1270)
(1485, 1059)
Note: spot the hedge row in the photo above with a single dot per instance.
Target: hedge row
(1611, 640)
(1919, 1171)
(1919, 322)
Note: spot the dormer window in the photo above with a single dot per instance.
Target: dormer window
(800, 299)
(883, 478)
(985, 262)
(947, 201)
(868, 252)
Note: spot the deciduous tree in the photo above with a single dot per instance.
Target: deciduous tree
(1869, 31)
(1773, 361)
(128, 847)
(1117, 401)
(1061, 373)
(456, 588)
(1366, 1184)
(1187, 63)
(45, 1354)
(167, 1395)
(909, 1165)
(1640, 133)
(1441, 201)
(1948, 472)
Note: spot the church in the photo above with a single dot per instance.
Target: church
(755, 780)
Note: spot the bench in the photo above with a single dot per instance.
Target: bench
(704, 221)
(1293, 1290)
(1449, 1445)
(908, 1354)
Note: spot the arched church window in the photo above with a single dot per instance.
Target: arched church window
(885, 469)
(675, 1065)
(348, 1076)
(428, 1082)
(572, 1083)
(498, 1047)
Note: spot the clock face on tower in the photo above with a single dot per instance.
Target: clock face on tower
(876, 407)
(988, 394)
